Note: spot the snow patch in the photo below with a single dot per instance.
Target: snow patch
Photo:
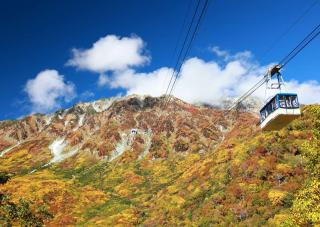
(8, 149)
(57, 149)
(127, 140)
(102, 105)
(222, 128)
(80, 122)
(48, 119)
(147, 138)
(32, 171)
(66, 123)
(121, 147)
(62, 114)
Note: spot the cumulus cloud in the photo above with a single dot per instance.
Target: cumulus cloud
(232, 74)
(220, 53)
(86, 95)
(47, 90)
(103, 80)
(211, 82)
(199, 81)
(308, 91)
(110, 53)
(227, 56)
(141, 83)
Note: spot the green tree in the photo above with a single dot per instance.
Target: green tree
(11, 213)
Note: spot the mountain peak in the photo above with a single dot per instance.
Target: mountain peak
(118, 116)
(129, 161)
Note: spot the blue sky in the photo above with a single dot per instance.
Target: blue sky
(39, 35)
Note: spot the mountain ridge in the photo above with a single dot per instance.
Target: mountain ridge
(84, 121)
(132, 162)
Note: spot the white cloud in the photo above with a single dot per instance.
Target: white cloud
(227, 56)
(308, 91)
(200, 81)
(103, 80)
(47, 90)
(114, 57)
(110, 53)
(220, 53)
(210, 82)
(86, 95)
(141, 83)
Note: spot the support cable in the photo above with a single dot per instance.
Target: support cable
(183, 47)
(310, 37)
(175, 53)
(188, 48)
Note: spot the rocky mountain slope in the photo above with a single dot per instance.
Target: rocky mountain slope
(130, 161)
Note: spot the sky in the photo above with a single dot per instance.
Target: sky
(54, 54)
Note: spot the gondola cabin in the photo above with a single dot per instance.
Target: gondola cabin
(279, 111)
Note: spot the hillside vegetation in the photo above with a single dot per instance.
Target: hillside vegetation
(190, 174)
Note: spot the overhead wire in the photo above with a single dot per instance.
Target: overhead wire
(286, 32)
(184, 51)
(200, 18)
(182, 48)
(290, 28)
(175, 73)
(311, 36)
(249, 92)
(190, 45)
(275, 42)
(174, 54)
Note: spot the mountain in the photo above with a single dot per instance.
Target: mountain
(134, 161)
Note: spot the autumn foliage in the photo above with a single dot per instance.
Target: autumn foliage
(192, 176)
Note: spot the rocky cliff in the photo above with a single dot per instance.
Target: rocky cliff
(130, 161)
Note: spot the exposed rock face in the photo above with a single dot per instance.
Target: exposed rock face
(134, 162)
(68, 158)
(97, 127)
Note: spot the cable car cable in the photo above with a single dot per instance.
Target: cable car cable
(248, 93)
(178, 40)
(183, 46)
(301, 49)
(180, 61)
(311, 36)
(290, 28)
(285, 33)
(189, 46)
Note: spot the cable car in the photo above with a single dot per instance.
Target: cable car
(279, 111)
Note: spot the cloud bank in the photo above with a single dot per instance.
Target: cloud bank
(116, 59)
(199, 81)
(48, 90)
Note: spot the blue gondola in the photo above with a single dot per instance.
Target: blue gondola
(278, 111)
